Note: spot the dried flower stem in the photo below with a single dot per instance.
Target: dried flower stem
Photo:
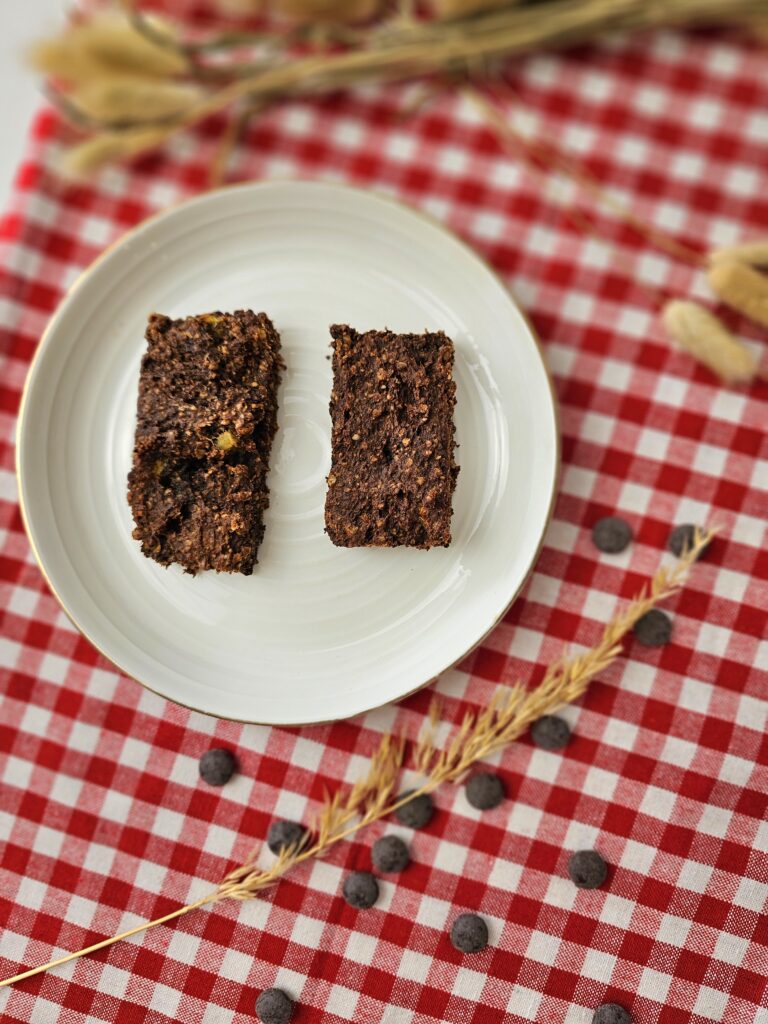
(693, 327)
(230, 137)
(179, 912)
(543, 153)
(394, 49)
(509, 714)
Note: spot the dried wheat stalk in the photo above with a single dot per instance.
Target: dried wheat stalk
(122, 99)
(506, 717)
(542, 154)
(396, 48)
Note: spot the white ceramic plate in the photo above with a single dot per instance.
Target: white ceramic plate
(317, 632)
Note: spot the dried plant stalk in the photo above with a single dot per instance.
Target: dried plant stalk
(307, 10)
(541, 155)
(759, 28)
(461, 8)
(393, 49)
(241, 6)
(348, 11)
(96, 152)
(742, 287)
(707, 338)
(227, 145)
(125, 99)
(509, 714)
(424, 749)
(754, 253)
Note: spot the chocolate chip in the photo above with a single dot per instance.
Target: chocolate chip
(550, 732)
(274, 1006)
(587, 869)
(217, 766)
(682, 539)
(611, 534)
(390, 854)
(654, 629)
(611, 1013)
(417, 813)
(361, 890)
(282, 834)
(485, 791)
(469, 933)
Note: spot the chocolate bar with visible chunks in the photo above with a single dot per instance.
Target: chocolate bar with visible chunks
(392, 439)
(206, 419)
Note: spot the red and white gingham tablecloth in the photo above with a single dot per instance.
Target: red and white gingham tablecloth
(103, 820)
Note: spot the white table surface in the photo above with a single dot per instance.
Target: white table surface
(21, 21)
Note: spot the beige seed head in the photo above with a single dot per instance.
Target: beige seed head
(741, 287)
(700, 332)
(129, 99)
(754, 253)
(106, 44)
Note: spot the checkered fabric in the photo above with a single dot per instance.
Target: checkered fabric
(103, 820)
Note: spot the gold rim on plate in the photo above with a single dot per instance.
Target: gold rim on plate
(80, 280)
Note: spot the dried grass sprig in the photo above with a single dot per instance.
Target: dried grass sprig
(394, 48)
(424, 748)
(510, 714)
(122, 100)
(100, 150)
(544, 154)
(481, 733)
(227, 144)
(694, 328)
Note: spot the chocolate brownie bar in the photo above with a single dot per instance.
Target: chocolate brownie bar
(392, 471)
(207, 416)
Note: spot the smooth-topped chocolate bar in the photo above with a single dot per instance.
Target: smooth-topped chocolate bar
(392, 473)
(207, 416)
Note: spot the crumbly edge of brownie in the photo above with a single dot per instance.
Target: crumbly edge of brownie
(202, 376)
(393, 471)
(198, 484)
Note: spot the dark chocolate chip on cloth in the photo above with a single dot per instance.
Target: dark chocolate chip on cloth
(654, 629)
(274, 1006)
(469, 933)
(587, 869)
(550, 732)
(217, 766)
(283, 834)
(611, 1013)
(417, 813)
(611, 535)
(682, 539)
(361, 890)
(389, 853)
(484, 791)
